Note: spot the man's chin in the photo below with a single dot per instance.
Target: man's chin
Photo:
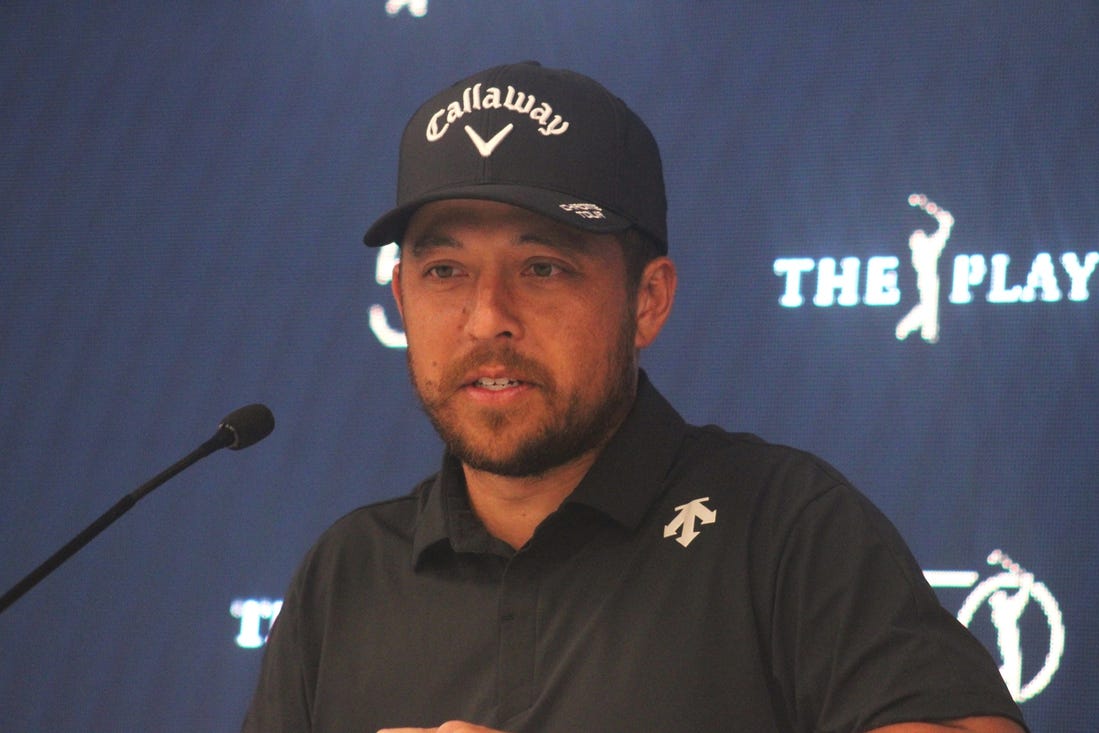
(523, 461)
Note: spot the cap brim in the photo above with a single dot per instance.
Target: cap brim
(551, 204)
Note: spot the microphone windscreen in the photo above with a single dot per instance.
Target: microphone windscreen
(249, 425)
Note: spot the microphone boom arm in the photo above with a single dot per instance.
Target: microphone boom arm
(238, 430)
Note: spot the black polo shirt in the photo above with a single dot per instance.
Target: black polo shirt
(696, 580)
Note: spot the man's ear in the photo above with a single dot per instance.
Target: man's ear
(655, 295)
(395, 287)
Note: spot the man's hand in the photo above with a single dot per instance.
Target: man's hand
(451, 726)
(974, 725)
(969, 725)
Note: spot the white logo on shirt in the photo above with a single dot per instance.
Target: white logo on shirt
(687, 517)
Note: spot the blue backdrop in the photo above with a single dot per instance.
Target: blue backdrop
(183, 188)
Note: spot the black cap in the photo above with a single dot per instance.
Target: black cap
(549, 140)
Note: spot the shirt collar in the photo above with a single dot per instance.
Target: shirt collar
(626, 478)
(445, 517)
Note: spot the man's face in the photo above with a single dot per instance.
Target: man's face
(521, 339)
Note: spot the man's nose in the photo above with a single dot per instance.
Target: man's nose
(492, 311)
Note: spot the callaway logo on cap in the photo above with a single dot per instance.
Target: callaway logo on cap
(549, 140)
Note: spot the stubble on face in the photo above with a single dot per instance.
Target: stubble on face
(518, 443)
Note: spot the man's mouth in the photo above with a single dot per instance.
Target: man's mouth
(495, 383)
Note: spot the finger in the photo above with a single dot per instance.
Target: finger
(451, 726)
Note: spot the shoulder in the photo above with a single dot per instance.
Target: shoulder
(395, 514)
(368, 536)
(752, 467)
(778, 498)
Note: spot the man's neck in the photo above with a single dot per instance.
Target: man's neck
(511, 508)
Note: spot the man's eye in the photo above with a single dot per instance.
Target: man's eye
(544, 269)
(441, 272)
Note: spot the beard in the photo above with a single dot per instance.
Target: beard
(517, 444)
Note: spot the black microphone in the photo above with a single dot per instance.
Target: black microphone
(247, 425)
(241, 428)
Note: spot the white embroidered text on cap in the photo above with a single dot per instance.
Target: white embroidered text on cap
(587, 211)
(516, 101)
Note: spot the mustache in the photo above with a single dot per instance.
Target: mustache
(515, 364)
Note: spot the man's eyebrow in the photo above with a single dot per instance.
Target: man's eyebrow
(429, 241)
(562, 239)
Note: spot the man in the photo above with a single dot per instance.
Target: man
(584, 560)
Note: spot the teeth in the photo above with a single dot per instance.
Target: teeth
(499, 383)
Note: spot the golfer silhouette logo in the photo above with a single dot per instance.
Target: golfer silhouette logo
(926, 250)
(1008, 594)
